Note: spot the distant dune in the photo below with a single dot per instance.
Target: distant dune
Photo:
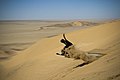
(39, 62)
(74, 24)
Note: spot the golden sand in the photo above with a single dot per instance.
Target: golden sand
(39, 62)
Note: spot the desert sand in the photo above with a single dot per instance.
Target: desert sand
(40, 62)
(18, 35)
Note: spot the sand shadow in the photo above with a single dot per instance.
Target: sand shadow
(80, 65)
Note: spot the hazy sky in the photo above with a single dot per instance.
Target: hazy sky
(59, 9)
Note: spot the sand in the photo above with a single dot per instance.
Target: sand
(16, 36)
(40, 62)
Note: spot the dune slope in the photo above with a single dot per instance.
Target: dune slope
(39, 62)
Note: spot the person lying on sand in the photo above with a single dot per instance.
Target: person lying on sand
(71, 51)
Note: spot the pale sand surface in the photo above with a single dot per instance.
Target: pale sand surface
(18, 35)
(39, 62)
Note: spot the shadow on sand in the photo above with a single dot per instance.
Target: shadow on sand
(80, 65)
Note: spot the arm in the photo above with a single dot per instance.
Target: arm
(66, 41)
(64, 37)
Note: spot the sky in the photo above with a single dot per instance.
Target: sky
(59, 9)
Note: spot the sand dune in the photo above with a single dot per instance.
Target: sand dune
(39, 62)
(73, 24)
(18, 35)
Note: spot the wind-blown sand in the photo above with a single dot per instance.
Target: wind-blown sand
(39, 62)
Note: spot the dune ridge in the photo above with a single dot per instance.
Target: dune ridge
(39, 62)
(73, 24)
